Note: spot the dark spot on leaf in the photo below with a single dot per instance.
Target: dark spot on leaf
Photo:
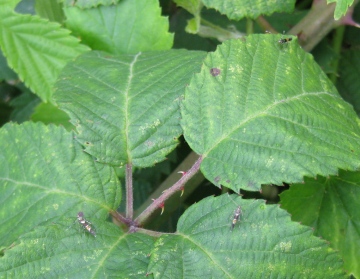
(217, 180)
(215, 72)
(227, 181)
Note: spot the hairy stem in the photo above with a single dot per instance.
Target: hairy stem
(129, 192)
(159, 202)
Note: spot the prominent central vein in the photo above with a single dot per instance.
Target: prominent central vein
(127, 98)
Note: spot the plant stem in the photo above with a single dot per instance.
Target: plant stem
(249, 26)
(117, 216)
(159, 202)
(129, 192)
(210, 30)
(337, 42)
(315, 25)
(174, 202)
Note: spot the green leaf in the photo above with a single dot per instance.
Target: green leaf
(348, 81)
(192, 6)
(42, 49)
(83, 4)
(238, 9)
(24, 106)
(44, 175)
(342, 7)
(55, 252)
(330, 205)
(208, 248)
(49, 114)
(126, 108)
(261, 112)
(9, 4)
(129, 27)
(193, 25)
(5, 72)
(51, 10)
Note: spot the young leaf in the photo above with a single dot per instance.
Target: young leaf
(126, 108)
(330, 205)
(129, 27)
(342, 7)
(42, 49)
(194, 7)
(238, 9)
(262, 111)
(44, 175)
(54, 252)
(257, 247)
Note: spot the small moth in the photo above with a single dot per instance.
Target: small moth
(86, 224)
(236, 217)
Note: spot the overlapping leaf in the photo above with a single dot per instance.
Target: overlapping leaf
(263, 112)
(45, 175)
(206, 247)
(54, 252)
(342, 7)
(128, 27)
(42, 49)
(238, 9)
(330, 205)
(126, 108)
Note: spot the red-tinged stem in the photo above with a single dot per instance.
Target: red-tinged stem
(117, 216)
(129, 192)
(169, 192)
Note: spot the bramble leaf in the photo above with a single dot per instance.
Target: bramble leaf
(263, 112)
(331, 206)
(128, 27)
(83, 4)
(206, 247)
(126, 108)
(45, 175)
(238, 9)
(54, 252)
(42, 49)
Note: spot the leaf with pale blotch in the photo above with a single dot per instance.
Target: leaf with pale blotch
(263, 112)
(56, 251)
(126, 108)
(45, 175)
(206, 247)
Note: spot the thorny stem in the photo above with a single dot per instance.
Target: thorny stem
(169, 192)
(129, 192)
